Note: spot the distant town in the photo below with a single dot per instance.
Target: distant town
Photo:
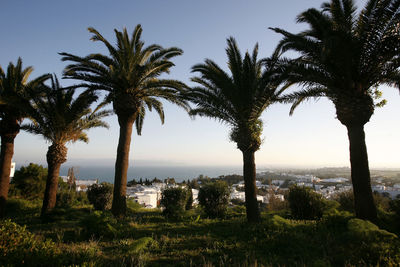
(271, 184)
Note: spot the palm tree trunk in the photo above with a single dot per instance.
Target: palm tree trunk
(121, 164)
(360, 176)
(6, 154)
(50, 194)
(249, 175)
(56, 155)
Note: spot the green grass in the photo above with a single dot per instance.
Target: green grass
(82, 236)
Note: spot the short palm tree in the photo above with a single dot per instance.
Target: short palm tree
(238, 99)
(130, 76)
(345, 56)
(60, 118)
(14, 89)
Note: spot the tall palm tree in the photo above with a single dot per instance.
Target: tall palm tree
(345, 56)
(14, 89)
(130, 76)
(238, 99)
(61, 119)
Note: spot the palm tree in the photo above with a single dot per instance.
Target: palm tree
(14, 89)
(345, 56)
(129, 75)
(60, 119)
(238, 99)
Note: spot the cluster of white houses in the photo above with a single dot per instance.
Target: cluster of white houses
(149, 196)
(332, 186)
(81, 185)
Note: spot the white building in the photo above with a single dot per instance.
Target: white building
(237, 195)
(12, 170)
(195, 194)
(335, 180)
(269, 196)
(82, 185)
(147, 199)
(277, 182)
(147, 196)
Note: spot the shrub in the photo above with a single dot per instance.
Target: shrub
(346, 200)
(81, 198)
(382, 201)
(174, 200)
(99, 224)
(189, 203)
(214, 198)
(30, 181)
(66, 199)
(276, 204)
(18, 246)
(100, 195)
(305, 204)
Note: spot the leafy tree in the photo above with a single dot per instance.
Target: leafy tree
(60, 119)
(14, 91)
(130, 76)
(100, 196)
(346, 200)
(169, 181)
(238, 99)
(71, 178)
(132, 183)
(174, 200)
(214, 198)
(189, 202)
(194, 184)
(305, 203)
(30, 181)
(345, 56)
(155, 180)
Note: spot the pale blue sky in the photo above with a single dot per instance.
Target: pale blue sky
(37, 30)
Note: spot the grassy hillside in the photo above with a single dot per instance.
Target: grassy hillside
(82, 236)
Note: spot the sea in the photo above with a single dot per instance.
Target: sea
(179, 173)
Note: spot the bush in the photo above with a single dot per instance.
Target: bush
(382, 201)
(18, 246)
(81, 198)
(189, 202)
(276, 204)
(305, 204)
(395, 206)
(174, 200)
(30, 181)
(346, 200)
(99, 224)
(66, 199)
(214, 198)
(100, 195)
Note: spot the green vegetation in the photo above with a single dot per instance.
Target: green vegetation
(305, 203)
(60, 119)
(29, 181)
(238, 98)
(129, 75)
(14, 90)
(175, 200)
(345, 55)
(214, 198)
(100, 196)
(81, 236)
